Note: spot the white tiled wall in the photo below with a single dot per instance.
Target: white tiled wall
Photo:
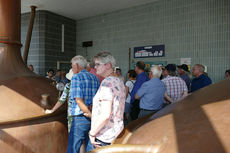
(199, 29)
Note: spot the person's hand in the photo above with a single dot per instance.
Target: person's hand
(89, 115)
(92, 139)
(48, 111)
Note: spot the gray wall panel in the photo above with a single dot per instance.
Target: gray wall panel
(199, 29)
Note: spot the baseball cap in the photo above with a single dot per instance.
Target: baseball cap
(183, 66)
(171, 67)
(69, 75)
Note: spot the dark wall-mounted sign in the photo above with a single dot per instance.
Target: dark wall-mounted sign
(149, 51)
(87, 44)
(148, 64)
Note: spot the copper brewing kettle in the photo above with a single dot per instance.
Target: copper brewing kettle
(24, 127)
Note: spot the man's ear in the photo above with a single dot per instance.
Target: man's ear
(77, 67)
(150, 74)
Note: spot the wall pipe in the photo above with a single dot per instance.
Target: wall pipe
(29, 34)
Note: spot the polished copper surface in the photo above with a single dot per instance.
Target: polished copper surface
(198, 124)
(24, 127)
(43, 135)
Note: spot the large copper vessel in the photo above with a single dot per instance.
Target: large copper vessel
(198, 124)
(24, 127)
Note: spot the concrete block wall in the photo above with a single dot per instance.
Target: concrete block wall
(45, 47)
(196, 29)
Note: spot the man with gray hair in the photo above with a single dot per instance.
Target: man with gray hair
(84, 86)
(152, 93)
(201, 80)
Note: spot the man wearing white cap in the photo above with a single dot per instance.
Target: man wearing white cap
(64, 97)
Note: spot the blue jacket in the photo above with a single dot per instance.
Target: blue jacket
(141, 78)
(200, 82)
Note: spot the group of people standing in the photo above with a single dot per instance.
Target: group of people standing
(164, 85)
(95, 108)
(59, 76)
(99, 101)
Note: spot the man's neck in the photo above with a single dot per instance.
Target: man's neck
(182, 73)
(139, 72)
(199, 75)
(167, 75)
(80, 69)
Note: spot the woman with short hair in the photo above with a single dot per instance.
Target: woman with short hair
(108, 103)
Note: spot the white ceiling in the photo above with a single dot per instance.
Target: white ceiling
(78, 9)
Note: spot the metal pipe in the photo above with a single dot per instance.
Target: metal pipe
(29, 33)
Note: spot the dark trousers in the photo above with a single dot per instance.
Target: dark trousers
(135, 109)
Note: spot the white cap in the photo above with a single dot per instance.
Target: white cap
(70, 74)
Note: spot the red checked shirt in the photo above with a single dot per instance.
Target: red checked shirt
(175, 87)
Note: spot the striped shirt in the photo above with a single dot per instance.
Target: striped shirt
(83, 85)
(175, 87)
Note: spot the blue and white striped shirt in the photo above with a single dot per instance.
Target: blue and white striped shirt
(83, 85)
